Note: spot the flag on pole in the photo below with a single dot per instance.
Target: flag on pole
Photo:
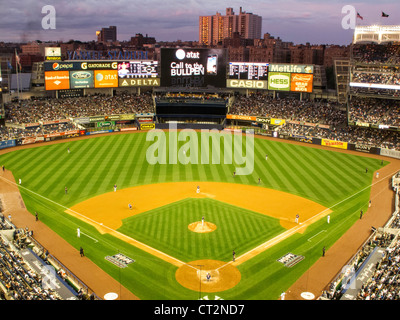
(359, 16)
(18, 60)
(384, 15)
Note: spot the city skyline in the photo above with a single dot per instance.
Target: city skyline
(297, 21)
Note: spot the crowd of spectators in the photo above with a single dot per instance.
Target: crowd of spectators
(385, 281)
(48, 109)
(376, 53)
(319, 118)
(21, 282)
(40, 110)
(375, 111)
(386, 78)
(367, 137)
(318, 111)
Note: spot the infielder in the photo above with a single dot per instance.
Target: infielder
(198, 189)
(115, 187)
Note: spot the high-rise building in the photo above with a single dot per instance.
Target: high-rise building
(214, 29)
(107, 34)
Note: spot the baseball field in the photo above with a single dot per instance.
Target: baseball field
(174, 236)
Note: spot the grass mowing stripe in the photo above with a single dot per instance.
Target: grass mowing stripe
(137, 142)
(37, 166)
(82, 152)
(45, 182)
(326, 174)
(309, 181)
(107, 168)
(119, 159)
(342, 178)
(313, 175)
(263, 167)
(98, 172)
(96, 154)
(349, 171)
(290, 185)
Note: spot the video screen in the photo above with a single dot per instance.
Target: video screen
(137, 69)
(191, 67)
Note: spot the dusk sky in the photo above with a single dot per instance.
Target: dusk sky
(298, 21)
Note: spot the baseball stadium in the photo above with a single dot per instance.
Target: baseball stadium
(193, 177)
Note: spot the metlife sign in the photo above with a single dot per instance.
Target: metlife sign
(291, 68)
(191, 67)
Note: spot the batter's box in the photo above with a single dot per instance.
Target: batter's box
(290, 259)
(120, 260)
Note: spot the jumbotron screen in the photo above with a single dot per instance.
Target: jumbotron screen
(193, 67)
(137, 69)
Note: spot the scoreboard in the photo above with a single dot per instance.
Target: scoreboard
(248, 71)
(247, 75)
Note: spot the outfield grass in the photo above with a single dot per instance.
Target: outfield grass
(335, 180)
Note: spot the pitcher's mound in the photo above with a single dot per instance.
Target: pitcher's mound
(223, 275)
(202, 228)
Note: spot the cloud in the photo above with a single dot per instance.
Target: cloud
(299, 21)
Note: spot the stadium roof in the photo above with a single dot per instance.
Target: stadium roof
(377, 34)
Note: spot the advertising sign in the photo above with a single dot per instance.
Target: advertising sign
(193, 67)
(56, 80)
(279, 81)
(52, 53)
(334, 144)
(61, 66)
(99, 65)
(152, 82)
(291, 68)
(105, 78)
(246, 84)
(81, 79)
(147, 126)
(301, 82)
(241, 117)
